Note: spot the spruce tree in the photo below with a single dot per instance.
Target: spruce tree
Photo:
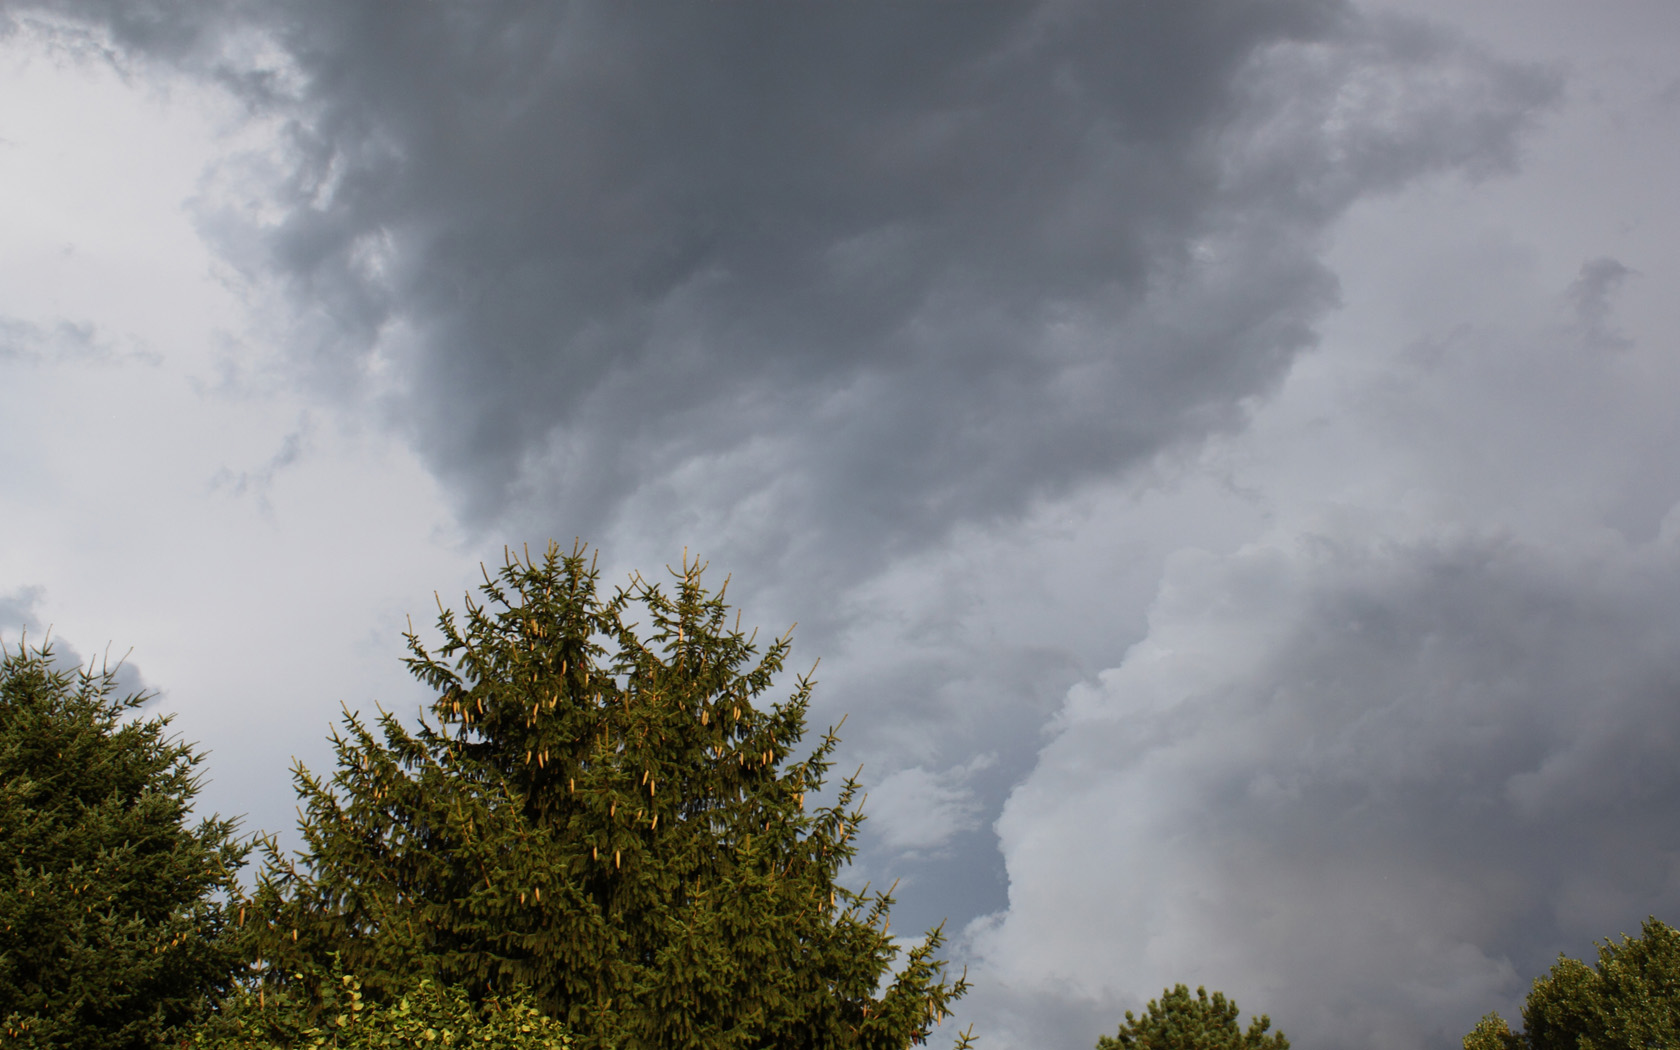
(603, 815)
(112, 907)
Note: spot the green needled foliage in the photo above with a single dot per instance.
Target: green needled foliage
(1180, 1022)
(111, 933)
(1631, 999)
(600, 814)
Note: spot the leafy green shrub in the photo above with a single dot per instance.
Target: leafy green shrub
(338, 1015)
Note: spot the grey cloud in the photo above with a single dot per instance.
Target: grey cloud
(1372, 769)
(807, 289)
(1590, 295)
(27, 342)
(1372, 788)
(871, 269)
(115, 31)
(918, 809)
(66, 342)
(258, 481)
(130, 681)
(21, 624)
(17, 609)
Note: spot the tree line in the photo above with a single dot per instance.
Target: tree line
(599, 835)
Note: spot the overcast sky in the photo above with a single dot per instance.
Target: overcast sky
(1222, 451)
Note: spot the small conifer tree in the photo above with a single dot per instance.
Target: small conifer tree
(113, 908)
(1180, 1022)
(602, 815)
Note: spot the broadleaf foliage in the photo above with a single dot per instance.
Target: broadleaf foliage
(1179, 1022)
(336, 1014)
(1630, 999)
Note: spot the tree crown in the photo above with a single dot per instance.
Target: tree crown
(1178, 1021)
(1630, 998)
(602, 813)
(112, 908)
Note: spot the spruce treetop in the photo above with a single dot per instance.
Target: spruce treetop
(600, 810)
(112, 905)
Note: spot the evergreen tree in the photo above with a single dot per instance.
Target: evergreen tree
(1179, 1022)
(1629, 1001)
(111, 933)
(605, 818)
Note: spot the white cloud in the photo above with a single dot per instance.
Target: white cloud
(918, 809)
(128, 445)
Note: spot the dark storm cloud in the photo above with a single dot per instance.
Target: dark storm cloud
(1372, 770)
(868, 269)
(806, 287)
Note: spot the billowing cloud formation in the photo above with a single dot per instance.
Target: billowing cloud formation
(1374, 770)
(835, 277)
(1370, 790)
(807, 289)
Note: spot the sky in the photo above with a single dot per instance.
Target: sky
(1219, 450)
